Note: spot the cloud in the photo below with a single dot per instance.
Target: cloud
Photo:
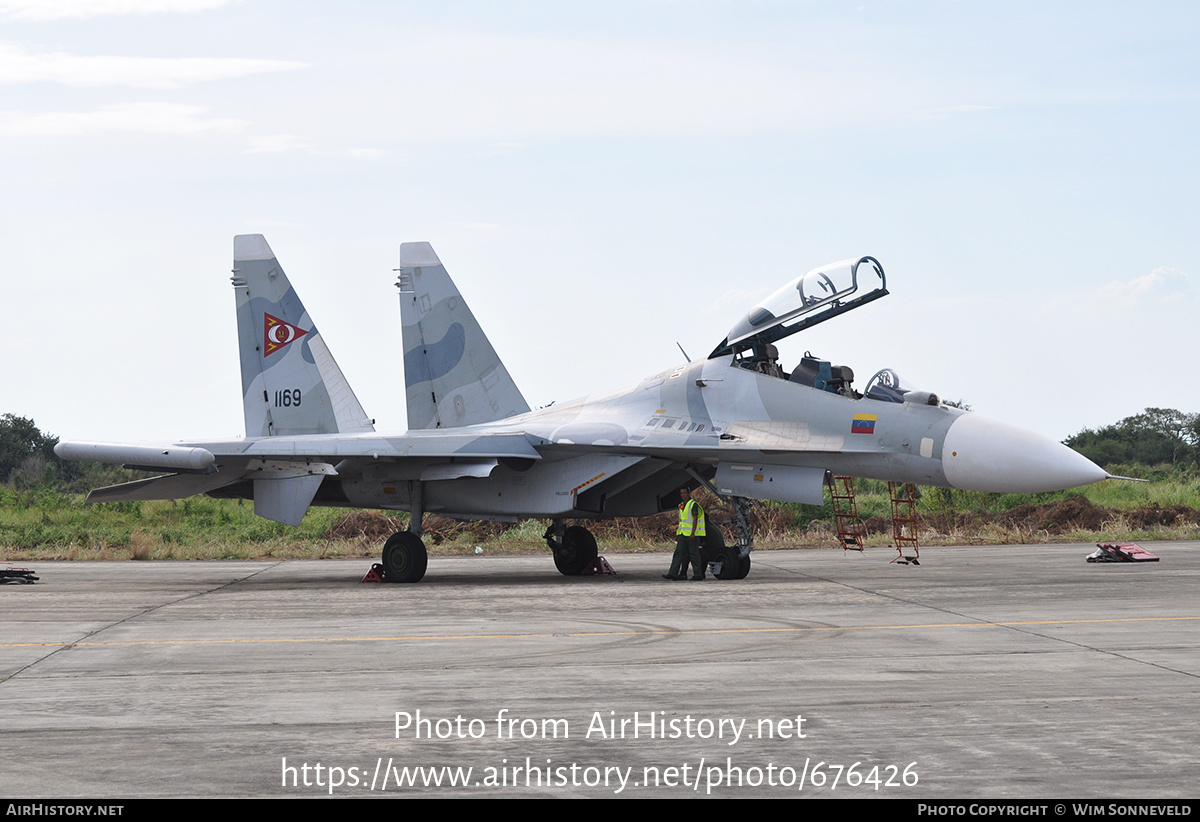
(144, 118)
(1163, 282)
(1163, 285)
(19, 65)
(83, 9)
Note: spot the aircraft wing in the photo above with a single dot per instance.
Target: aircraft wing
(429, 444)
(287, 471)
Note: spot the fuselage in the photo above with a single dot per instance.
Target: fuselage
(625, 453)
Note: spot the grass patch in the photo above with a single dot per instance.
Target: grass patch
(42, 523)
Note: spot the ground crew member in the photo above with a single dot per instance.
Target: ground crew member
(688, 535)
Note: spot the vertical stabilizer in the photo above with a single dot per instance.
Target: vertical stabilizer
(290, 382)
(452, 374)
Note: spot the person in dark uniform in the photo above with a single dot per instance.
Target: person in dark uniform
(688, 535)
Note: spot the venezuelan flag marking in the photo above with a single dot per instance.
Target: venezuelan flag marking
(863, 424)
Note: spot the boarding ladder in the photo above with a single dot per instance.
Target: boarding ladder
(852, 533)
(904, 521)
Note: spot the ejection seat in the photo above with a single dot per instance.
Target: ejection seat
(819, 374)
(766, 360)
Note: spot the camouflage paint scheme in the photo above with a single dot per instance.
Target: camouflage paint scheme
(475, 450)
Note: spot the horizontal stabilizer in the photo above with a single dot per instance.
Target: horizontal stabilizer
(172, 486)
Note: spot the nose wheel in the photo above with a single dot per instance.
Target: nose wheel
(727, 558)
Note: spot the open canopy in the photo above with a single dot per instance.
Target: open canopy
(807, 300)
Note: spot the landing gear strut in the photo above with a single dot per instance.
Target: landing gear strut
(574, 548)
(745, 534)
(404, 555)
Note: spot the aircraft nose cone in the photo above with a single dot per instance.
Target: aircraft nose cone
(986, 455)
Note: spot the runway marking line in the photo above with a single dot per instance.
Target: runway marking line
(581, 634)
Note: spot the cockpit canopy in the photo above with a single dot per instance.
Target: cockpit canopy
(889, 386)
(817, 296)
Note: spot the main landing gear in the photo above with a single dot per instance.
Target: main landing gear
(404, 555)
(574, 548)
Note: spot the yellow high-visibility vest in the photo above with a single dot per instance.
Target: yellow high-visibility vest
(685, 519)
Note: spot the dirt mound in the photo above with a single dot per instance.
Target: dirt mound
(950, 522)
(659, 528)
(878, 525)
(369, 524)
(1154, 515)
(1070, 514)
(377, 526)
(440, 529)
(774, 523)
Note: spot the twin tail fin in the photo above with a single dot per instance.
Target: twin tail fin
(291, 384)
(453, 376)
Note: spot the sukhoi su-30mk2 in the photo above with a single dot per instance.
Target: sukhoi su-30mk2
(737, 421)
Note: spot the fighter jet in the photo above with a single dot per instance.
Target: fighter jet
(736, 422)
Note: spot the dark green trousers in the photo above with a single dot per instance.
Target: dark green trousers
(686, 548)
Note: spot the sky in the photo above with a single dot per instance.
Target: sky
(606, 182)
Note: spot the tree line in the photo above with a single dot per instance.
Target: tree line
(1154, 438)
(27, 460)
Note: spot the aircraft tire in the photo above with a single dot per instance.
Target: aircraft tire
(743, 567)
(714, 545)
(715, 550)
(404, 558)
(730, 562)
(578, 551)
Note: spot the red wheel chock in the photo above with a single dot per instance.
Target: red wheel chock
(599, 566)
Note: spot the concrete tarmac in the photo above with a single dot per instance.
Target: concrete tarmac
(986, 672)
